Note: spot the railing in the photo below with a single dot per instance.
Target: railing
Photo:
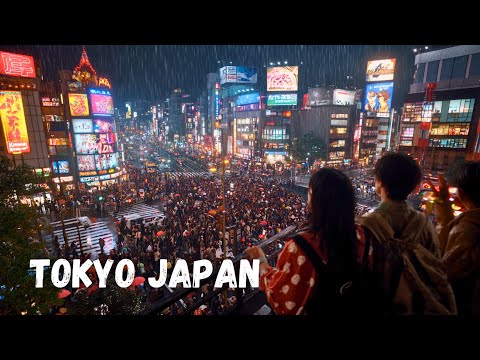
(179, 297)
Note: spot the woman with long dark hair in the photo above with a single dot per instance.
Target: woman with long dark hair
(331, 234)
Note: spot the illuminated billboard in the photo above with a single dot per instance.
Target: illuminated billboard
(106, 143)
(61, 167)
(319, 96)
(246, 99)
(381, 70)
(282, 78)
(13, 122)
(17, 65)
(86, 143)
(103, 126)
(282, 99)
(228, 74)
(246, 75)
(46, 101)
(78, 104)
(106, 161)
(82, 126)
(343, 97)
(128, 114)
(378, 97)
(86, 162)
(102, 102)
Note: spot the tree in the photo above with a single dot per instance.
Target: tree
(19, 228)
(111, 300)
(309, 143)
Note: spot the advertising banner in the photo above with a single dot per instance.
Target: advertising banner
(82, 126)
(102, 104)
(103, 126)
(61, 167)
(381, 70)
(17, 65)
(228, 74)
(86, 143)
(282, 99)
(343, 97)
(46, 101)
(86, 162)
(128, 114)
(78, 104)
(246, 99)
(319, 96)
(378, 97)
(106, 161)
(13, 122)
(246, 75)
(282, 78)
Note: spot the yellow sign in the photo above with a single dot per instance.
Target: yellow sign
(78, 104)
(13, 121)
(104, 82)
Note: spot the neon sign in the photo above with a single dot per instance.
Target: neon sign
(16, 65)
(105, 82)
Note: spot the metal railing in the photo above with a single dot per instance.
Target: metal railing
(179, 296)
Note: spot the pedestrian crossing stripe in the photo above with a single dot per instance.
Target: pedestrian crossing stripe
(140, 209)
(188, 174)
(89, 237)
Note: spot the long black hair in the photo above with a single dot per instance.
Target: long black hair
(332, 217)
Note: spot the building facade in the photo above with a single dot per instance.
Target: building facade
(440, 119)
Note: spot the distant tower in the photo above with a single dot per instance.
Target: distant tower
(84, 71)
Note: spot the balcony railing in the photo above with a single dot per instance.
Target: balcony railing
(248, 300)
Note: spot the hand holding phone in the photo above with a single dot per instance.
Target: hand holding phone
(443, 208)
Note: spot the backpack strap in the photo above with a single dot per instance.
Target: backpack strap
(312, 255)
(317, 262)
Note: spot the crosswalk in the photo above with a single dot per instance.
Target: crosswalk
(89, 235)
(143, 210)
(188, 174)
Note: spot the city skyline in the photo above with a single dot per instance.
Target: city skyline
(151, 72)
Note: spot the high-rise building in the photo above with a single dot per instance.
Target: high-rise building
(58, 138)
(334, 124)
(175, 115)
(22, 136)
(213, 101)
(440, 119)
(88, 106)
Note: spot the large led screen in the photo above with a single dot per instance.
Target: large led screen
(102, 102)
(82, 126)
(282, 78)
(106, 161)
(61, 167)
(86, 162)
(378, 97)
(86, 143)
(103, 125)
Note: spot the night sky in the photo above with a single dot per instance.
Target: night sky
(150, 73)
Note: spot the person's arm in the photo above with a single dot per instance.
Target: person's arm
(462, 253)
(288, 285)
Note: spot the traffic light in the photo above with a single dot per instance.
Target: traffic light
(100, 198)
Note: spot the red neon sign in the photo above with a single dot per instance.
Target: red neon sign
(17, 65)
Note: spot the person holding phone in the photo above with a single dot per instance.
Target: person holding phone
(460, 236)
